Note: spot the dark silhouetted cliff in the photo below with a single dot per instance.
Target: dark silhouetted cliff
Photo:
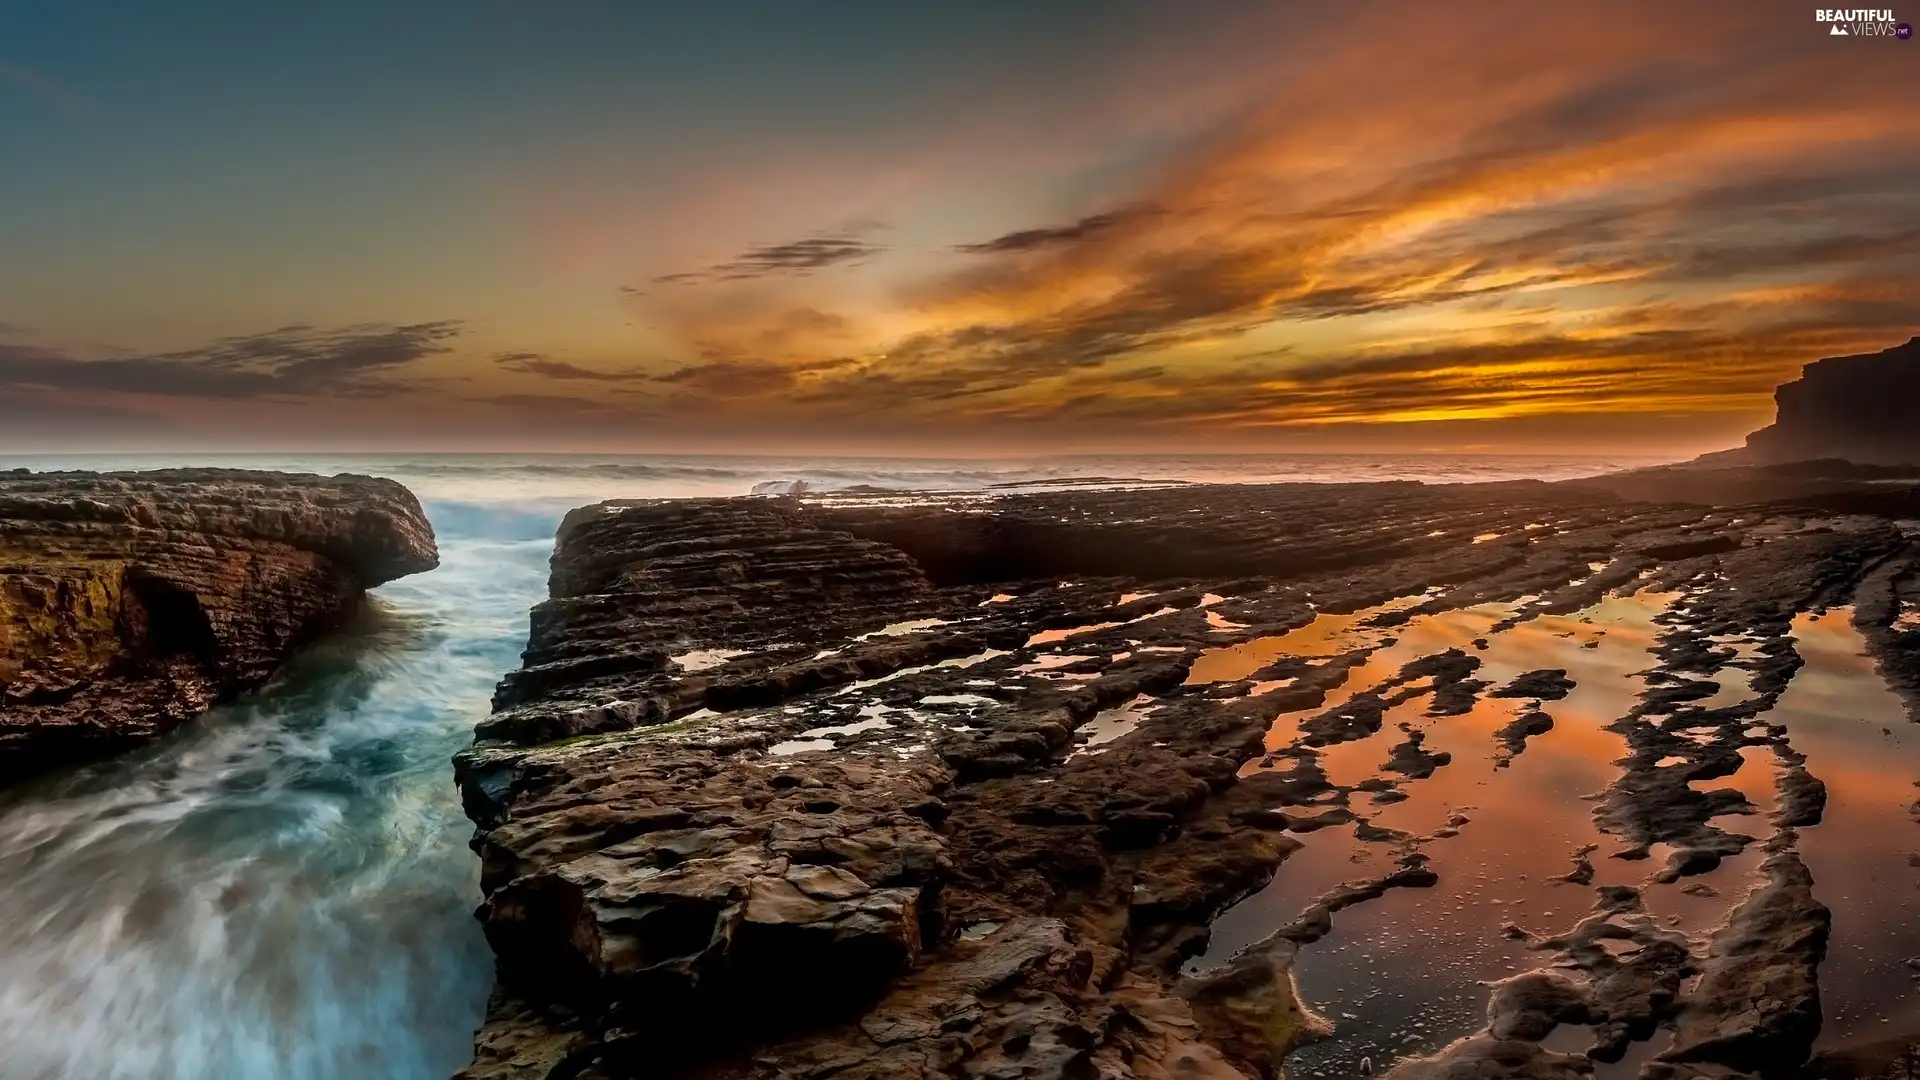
(1856, 408)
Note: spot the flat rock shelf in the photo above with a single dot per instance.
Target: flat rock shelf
(1610, 777)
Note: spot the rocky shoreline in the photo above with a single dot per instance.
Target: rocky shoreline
(132, 602)
(855, 788)
(1079, 783)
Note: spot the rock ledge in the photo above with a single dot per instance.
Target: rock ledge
(132, 602)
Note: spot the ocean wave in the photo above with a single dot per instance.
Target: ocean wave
(283, 887)
(460, 483)
(535, 519)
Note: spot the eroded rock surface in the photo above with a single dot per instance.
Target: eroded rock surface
(131, 602)
(1758, 999)
(833, 788)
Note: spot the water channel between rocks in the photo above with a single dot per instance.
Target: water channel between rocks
(283, 888)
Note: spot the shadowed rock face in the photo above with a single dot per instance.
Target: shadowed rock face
(131, 602)
(835, 789)
(1854, 408)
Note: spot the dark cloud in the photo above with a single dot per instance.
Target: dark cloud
(727, 374)
(878, 391)
(1278, 353)
(801, 256)
(1581, 215)
(293, 361)
(552, 403)
(1387, 367)
(1795, 225)
(1670, 360)
(732, 378)
(796, 257)
(531, 363)
(1186, 297)
(1568, 273)
(1059, 235)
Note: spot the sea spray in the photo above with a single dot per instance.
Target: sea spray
(282, 889)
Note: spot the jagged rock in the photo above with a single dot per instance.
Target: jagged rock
(1757, 1004)
(1316, 921)
(1513, 735)
(1529, 1006)
(1454, 692)
(524, 1042)
(131, 602)
(667, 877)
(1654, 803)
(1583, 870)
(1413, 760)
(1803, 796)
(1548, 684)
(704, 888)
(1253, 1007)
(1047, 785)
(1484, 1056)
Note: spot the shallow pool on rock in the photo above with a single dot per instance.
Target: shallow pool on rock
(1858, 740)
(1517, 845)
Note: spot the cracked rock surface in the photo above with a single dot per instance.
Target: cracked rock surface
(988, 787)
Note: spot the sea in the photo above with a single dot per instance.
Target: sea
(283, 888)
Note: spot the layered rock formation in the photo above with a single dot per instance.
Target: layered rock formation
(839, 789)
(1851, 408)
(131, 602)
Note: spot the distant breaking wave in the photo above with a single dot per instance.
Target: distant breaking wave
(555, 482)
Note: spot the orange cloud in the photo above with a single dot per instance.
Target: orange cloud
(1430, 215)
(1398, 221)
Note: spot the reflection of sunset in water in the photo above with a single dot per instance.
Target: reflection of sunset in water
(1402, 975)
(1327, 635)
(1857, 738)
(1410, 962)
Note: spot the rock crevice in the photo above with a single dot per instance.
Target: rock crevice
(957, 789)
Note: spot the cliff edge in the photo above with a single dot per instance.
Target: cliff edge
(1851, 408)
(132, 602)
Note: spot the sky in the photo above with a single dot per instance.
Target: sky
(987, 227)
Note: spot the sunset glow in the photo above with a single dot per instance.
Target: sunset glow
(1075, 227)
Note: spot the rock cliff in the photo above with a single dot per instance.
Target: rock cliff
(131, 602)
(1853, 408)
(847, 789)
